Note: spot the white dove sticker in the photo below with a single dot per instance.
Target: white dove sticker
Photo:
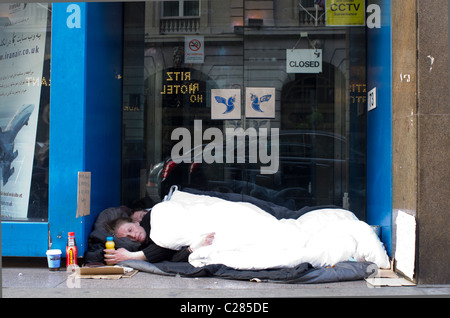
(260, 102)
(225, 104)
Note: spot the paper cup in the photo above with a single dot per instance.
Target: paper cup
(54, 259)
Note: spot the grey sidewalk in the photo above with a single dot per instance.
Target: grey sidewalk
(36, 281)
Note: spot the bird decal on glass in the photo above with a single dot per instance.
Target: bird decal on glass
(256, 101)
(229, 103)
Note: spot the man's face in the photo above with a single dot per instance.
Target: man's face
(133, 231)
(138, 215)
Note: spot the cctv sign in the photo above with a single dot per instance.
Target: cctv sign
(304, 61)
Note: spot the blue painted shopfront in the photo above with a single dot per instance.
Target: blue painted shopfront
(86, 65)
(86, 119)
(379, 125)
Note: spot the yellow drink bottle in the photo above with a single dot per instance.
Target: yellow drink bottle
(110, 245)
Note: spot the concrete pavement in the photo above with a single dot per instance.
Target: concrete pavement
(32, 279)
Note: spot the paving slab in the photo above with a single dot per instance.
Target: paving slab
(19, 281)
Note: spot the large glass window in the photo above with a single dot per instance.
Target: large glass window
(264, 99)
(24, 110)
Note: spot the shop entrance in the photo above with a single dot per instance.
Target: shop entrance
(257, 100)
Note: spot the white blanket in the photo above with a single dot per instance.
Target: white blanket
(247, 237)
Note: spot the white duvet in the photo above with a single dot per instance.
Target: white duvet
(247, 237)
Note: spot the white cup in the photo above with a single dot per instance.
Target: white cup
(54, 259)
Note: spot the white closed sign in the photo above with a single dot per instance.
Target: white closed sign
(304, 61)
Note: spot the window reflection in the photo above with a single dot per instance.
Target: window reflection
(25, 34)
(320, 120)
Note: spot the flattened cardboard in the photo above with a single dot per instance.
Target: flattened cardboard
(83, 194)
(388, 278)
(389, 282)
(105, 272)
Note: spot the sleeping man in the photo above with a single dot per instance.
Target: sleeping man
(138, 230)
(206, 230)
(249, 238)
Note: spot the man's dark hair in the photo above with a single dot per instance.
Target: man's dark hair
(113, 225)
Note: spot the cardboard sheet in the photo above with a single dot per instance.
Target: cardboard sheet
(105, 272)
(388, 278)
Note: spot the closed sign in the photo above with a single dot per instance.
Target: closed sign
(304, 61)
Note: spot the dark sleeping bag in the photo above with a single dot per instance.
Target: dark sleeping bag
(303, 273)
(279, 212)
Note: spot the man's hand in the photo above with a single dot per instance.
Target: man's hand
(204, 241)
(208, 239)
(116, 256)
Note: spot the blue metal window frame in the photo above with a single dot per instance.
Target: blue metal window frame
(379, 125)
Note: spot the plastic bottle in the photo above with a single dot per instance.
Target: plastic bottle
(109, 245)
(71, 252)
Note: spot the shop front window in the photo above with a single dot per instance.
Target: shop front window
(256, 101)
(24, 110)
